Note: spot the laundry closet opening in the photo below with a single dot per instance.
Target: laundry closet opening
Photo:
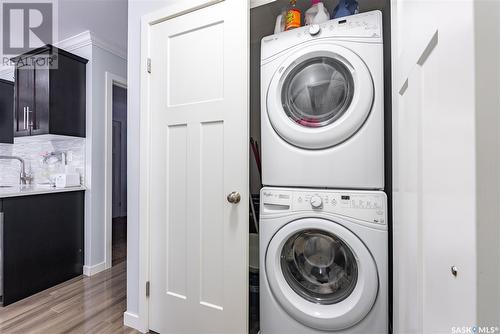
(263, 20)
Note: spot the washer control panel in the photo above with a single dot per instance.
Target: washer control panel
(369, 206)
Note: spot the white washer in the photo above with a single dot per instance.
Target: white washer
(323, 262)
(322, 105)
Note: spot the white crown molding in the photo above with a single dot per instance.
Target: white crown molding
(75, 42)
(110, 48)
(87, 38)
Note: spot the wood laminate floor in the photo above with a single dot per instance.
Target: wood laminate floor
(82, 305)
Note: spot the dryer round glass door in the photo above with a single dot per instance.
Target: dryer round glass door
(320, 96)
(317, 92)
(321, 274)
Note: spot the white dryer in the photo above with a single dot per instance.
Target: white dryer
(322, 105)
(324, 262)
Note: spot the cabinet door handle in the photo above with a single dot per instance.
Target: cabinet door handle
(24, 118)
(29, 122)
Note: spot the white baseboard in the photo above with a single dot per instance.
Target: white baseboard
(92, 270)
(132, 320)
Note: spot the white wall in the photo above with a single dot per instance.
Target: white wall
(107, 19)
(102, 61)
(487, 53)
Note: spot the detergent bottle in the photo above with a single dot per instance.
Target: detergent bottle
(345, 8)
(280, 22)
(293, 16)
(317, 13)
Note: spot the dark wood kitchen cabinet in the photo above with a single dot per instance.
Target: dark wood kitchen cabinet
(6, 111)
(50, 93)
(42, 242)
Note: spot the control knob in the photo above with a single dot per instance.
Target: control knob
(314, 29)
(316, 202)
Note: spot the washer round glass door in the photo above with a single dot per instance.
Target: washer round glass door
(321, 274)
(320, 96)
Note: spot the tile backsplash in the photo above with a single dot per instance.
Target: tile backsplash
(33, 149)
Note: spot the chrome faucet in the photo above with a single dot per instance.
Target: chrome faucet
(24, 178)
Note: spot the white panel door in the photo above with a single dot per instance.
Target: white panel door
(199, 155)
(434, 172)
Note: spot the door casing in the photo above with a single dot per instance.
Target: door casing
(110, 80)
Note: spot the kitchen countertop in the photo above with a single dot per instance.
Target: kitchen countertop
(34, 189)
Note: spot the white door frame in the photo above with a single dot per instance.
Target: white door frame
(148, 20)
(110, 81)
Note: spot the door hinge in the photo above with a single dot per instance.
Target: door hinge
(149, 65)
(147, 289)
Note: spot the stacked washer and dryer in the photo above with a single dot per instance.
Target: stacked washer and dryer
(323, 222)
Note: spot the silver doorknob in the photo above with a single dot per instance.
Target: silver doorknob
(234, 197)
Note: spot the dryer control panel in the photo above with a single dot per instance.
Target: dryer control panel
(369, 206)
(359, 28)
